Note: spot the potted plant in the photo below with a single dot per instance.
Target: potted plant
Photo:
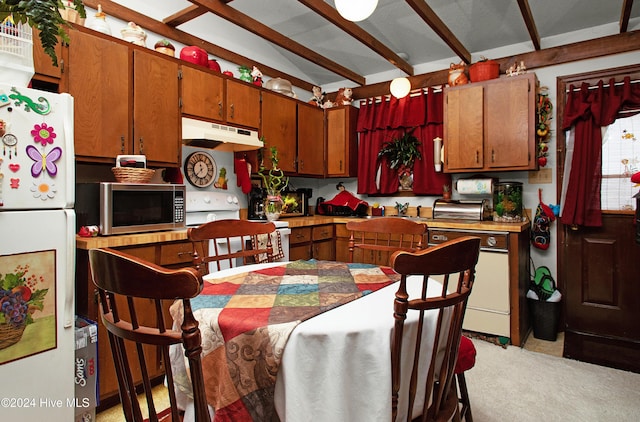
(402, 153)
(44, 15)
(274, 182)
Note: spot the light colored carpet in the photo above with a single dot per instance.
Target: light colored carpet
(515, 384)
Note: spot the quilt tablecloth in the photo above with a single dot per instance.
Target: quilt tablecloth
(246, 319)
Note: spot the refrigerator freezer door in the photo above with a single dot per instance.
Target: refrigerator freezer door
(38, 248)
(37, 164)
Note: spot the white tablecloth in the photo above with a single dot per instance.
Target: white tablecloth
(337, 365)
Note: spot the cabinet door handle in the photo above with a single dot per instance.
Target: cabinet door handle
(232, 110)
(122, 144)
(184, 253)
(141, 145)
(477, 157)
(220, 109)
(493, 156)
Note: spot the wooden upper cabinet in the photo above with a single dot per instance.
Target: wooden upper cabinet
(463, 130)
(490, 126)
(510, 124)
(311, 144)
(42, 63)
(279, 128)
(242, 104)
(156, 112)
(202, 94)
(342, 141)
(99, 80)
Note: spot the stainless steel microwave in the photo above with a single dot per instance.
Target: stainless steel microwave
(119, 208)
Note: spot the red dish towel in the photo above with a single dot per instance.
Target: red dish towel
(243, 173)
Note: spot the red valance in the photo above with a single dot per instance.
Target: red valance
(380, 122)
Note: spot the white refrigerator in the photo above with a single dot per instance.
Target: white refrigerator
(37, 255)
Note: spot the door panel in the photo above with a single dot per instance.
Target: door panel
(602, 293)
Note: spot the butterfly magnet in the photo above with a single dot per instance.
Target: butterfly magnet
(44, 162)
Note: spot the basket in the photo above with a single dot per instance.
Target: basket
(132, 174)
(10, 334)
(482, 71)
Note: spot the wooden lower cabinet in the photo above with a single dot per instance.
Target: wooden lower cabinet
(169, 254)
(312, 242)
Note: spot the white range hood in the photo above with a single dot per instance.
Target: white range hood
(198, 133)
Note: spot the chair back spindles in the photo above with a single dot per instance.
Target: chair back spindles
(383, 236)
(126, 286)
(453, 263)
(231, 240)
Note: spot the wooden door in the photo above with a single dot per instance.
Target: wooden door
(602, 293)
(202, 94)
(242, 104)
(509, 123)
(156, 113)
(311, 157)
(463, 129)
(598, 269)
(99, 81)
(279, 128)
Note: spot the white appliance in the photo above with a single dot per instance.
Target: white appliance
(205, 205)
(37, 255)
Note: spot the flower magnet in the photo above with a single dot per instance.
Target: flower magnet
(43, 134)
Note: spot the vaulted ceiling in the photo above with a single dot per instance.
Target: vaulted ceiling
(309, 43)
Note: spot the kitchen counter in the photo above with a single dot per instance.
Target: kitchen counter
(431, 223)
(130, 239)
(314, 220)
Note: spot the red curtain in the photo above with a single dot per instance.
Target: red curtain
(380, 122)
(588, 110)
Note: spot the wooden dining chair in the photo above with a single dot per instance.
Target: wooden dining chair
(228, 240)
(455, 262)
(382, 236)
(126, 285)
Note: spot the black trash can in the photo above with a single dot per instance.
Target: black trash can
(544, 319)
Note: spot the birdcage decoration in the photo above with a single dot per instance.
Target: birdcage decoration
(16, 52)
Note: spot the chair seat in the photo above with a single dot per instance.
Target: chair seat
(466, 355)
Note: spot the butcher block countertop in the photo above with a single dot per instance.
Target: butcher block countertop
(434, 224)
(130, 239)
(315, 220)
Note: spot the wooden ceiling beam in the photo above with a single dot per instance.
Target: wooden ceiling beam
(529, 22)
(429, 16)
(248, 23)
(329, 13)
(184, 15)
(583, 50)
(625, 15)
(118, 11)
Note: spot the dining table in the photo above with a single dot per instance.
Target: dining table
(267, 356)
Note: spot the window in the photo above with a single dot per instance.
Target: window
(620, 159)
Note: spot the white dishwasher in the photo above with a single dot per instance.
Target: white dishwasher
(488, 309)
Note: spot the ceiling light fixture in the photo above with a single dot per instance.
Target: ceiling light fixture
(356, 10)
(400, 87)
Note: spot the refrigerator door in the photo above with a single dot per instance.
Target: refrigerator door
(37, 168)
(37, 260)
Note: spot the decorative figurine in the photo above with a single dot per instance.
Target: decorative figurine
(257, 76)
(245, 74)
(457, 75)
(165, 47)
(318, 96)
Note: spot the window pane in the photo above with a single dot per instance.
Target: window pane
(620, 159)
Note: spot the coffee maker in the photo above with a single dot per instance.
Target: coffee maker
(256, 204)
